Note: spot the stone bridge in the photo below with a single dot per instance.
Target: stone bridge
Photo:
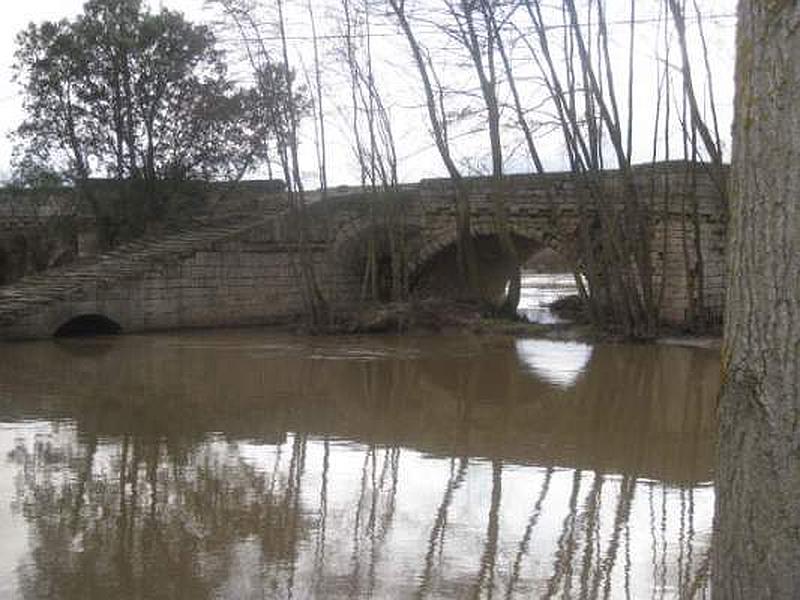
(237, 265)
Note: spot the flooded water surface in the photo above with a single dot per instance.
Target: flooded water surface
(539, 290)
(246, 465)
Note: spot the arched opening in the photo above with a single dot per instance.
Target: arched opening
(88, 326)
(379, 252)
(549, 292)
(439, 275)
(546, 272)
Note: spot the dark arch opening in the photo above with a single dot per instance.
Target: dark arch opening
(88, 326)
(547, 259)
(439, 274)
(390, 249)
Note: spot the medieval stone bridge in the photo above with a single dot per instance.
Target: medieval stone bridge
(237, 264)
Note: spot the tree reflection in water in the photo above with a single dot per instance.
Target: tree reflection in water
(137, 519)
(425, 472)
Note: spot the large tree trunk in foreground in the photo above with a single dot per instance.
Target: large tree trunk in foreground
(757, 547)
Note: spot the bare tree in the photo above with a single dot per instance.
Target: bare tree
(616, 255)
(467, 259)
(319, 105)
(474, 25)
(519, 109)
(711, 145)
(268, 73)
(376, 155)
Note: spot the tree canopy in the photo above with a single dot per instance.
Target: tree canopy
(124, 93)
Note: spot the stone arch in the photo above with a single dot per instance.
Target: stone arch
(527, 231)
(88, 325)
(528, 238)
(348, 254)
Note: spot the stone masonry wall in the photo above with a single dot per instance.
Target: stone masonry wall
(544, 208)
(250, 278)
(40, 229)
(231, 286)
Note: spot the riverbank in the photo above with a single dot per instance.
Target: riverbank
(454, 317)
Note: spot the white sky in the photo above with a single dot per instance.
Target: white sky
(398, 82)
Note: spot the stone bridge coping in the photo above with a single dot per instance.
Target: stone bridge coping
(60, 202)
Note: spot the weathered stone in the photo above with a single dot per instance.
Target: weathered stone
(241, 268)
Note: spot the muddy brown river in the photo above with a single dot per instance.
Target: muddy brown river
(247, 464)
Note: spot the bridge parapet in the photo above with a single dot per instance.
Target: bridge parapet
(526, 192)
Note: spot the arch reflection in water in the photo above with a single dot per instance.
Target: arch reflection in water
(558, 363)
(233, 465)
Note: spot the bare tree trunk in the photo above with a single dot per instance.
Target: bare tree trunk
(481, 50)
(697, 119)
(617, 254)
(512, 85)
(323, 171)
(350, 51)
(317, 305)
(376, 155)
(370, 108)
(467, 259)
(757, 545)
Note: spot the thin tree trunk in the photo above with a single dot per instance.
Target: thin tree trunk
(468, 264)
(350, 52)
(518, 108)
(487, 77)
(316, 302)
(708, 141)
(323, 172)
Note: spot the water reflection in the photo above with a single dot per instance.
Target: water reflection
(560, 363)
(240, 465)
(136, 518)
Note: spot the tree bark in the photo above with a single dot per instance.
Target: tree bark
(757, 546)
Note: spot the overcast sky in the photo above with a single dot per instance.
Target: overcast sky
(399, 83)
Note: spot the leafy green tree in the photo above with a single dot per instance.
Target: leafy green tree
(123, 93)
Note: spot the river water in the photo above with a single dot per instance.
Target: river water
(249, 464)
(538, 290)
